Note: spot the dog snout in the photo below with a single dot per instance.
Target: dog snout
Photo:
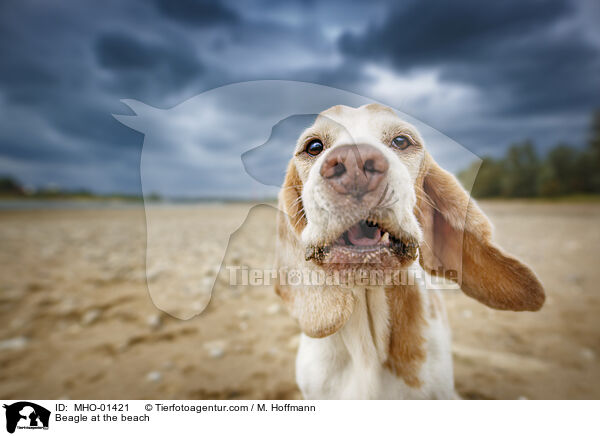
(354, 169)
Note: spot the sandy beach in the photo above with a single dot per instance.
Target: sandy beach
(77, 320)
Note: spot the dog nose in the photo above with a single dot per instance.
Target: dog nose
(354, 169)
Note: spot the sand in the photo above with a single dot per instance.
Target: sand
(77, 320)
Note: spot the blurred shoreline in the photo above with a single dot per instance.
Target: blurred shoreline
(7, 204)
(24, 204)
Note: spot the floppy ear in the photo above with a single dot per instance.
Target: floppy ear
(458, 245)
(321, 310)
(290, 200)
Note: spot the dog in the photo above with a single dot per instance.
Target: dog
(362, 197)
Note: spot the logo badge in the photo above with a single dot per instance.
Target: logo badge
(26, 415)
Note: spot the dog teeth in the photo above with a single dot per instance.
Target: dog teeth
(411, 249)
(316, 253)
(385, 238)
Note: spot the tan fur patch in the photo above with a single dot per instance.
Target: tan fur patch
(337, 109)
(407, 346)
(497, 279)
(292, 192)
(376, 107)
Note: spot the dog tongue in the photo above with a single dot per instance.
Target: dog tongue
(362, 235)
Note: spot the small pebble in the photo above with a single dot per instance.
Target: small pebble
(154, 321)
(90, 316)
(216, 349)
(216, 353)
(154, 376)
(588, 354)
(17, 343)
(274, 309)
(244, 314)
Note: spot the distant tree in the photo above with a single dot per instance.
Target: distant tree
(487, 178)
(594, 153)
(154, 196)
(562, 172)
(594, 140)
(520, 171)
(9, 186)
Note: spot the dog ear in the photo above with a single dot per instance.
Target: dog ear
(290, 198)
(458, 245)
(320, 310)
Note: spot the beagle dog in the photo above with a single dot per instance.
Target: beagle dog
(369, 229)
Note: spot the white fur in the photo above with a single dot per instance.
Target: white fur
(349, 363)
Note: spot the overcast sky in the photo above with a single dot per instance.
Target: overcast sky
(485, 74)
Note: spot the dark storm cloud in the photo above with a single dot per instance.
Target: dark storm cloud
(29, 74)
(146, 67)
(60, 89)
(453, 31)
(197, 12)
(526, 57)
(119, 51)
(64, 66)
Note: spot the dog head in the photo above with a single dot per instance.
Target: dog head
(361, 192)
(358, 170)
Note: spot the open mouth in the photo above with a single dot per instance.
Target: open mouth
(364, 234)
(366, 242)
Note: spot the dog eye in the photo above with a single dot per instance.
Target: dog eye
(401, 142)
(314, 147)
